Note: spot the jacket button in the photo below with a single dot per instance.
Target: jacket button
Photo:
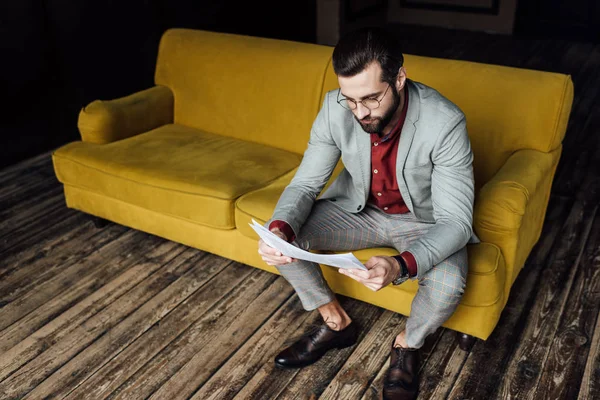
(359, 207)
(333, 199)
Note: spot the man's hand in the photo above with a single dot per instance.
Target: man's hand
(270, 255)
(382, 270)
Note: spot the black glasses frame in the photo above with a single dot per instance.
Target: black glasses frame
(371, 103)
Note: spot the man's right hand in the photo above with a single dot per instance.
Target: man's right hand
(273, 256)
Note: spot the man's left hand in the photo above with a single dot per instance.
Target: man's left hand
(382, 270)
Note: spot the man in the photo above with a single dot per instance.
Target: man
(407, 183)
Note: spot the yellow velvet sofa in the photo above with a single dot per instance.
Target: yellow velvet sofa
(213, 144)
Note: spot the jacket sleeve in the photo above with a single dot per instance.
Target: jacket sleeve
(318, 163)
(452, 194)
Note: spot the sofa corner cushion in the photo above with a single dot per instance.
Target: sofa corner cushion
(175, 170)
(259, 204)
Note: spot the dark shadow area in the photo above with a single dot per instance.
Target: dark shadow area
(58, 55)
(558, 19)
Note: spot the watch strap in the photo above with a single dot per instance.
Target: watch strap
(403, 275)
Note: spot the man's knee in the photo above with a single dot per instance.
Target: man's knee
(445, 290)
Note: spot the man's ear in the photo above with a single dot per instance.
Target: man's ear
(401, 79)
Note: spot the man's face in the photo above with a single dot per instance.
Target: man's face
(368, 84)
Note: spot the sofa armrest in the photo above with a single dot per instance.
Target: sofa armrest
(502, 201)
(108, 121)
(510, 208)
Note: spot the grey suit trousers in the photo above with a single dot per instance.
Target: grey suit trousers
(331, 228)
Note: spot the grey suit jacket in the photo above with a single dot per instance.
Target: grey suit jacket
(434, 171)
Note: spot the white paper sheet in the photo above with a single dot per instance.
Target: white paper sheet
(346, 260)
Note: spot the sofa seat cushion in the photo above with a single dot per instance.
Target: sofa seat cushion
(485, 281)
(176, 170)
(259, 204)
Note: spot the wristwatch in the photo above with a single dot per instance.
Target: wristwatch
(403, 276)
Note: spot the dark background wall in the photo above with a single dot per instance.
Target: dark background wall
(58, 55)
(574, 20)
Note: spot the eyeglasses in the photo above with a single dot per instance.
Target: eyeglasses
(371, 103)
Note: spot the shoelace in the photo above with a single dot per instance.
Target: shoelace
(309, 332)
(399, 363)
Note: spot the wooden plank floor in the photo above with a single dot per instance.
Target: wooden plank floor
(95, 313)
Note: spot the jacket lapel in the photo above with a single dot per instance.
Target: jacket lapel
(406, 138)
(363, 145)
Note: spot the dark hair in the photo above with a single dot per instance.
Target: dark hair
(357, 49)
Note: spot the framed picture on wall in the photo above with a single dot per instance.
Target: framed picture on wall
(492, 16)
(466, 6)
(361, 8)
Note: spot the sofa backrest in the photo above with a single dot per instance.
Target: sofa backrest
(507, 108)
(269, 91)
(258, 89)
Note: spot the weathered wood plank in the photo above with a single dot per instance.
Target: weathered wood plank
(27, 168)
(428, 351)
(311, 381)
(21, 193)
(443, 367)
(36, 253)
(235, 356)
(31, 226)
(18, 306)
(61, 326)
(16, 219)
(236, 316)
(531, 352)
(370, 356)
(34, 246)
(18, 194)
(157, 293)
(590, 384)
(563, 371)
(270, 381)
(41, 265)
(187, 296)
(122, 257)
(235, 281)
(374, 391)
(53, 240)
(494, 354)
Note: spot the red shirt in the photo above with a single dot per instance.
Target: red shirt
(384, 192)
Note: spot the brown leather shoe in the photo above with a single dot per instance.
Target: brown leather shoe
(314, 344)
(402, 378)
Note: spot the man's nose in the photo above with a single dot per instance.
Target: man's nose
(362, 111)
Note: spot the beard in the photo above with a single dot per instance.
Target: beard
(376, 124)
